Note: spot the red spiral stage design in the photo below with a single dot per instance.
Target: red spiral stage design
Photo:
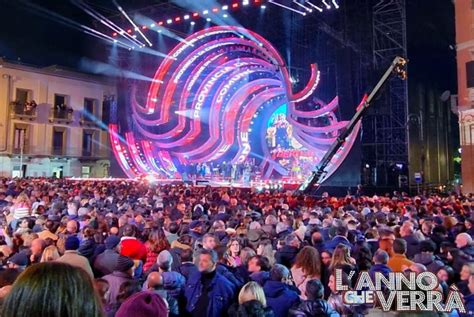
(205, 100)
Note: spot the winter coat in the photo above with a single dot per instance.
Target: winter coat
(280, 297)
(428, 260)
(221, 293)
(251, 308)
(413, 245)
(116, 279)
(286, 255)
(187, 269)
(173, 283)
(309, 308)
(105, 262)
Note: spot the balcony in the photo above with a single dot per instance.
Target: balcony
(57, 151)
(60, 114)
(23, 111)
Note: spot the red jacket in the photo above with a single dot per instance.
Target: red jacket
(134, 249)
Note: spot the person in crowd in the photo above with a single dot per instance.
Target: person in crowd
(398, 260)
(469, 299)
(341, 259)
(33, 293)
(72, 256)
(156, 243)
(287, 254)
(143, 304)
(380, 265)
(314, 305)
(173, 282)
(130, 246)
(208, 293)
(427, 257)
(251, 302)
(126, 290)
(233, 253)
(187, 267)
(307, 267)
(259, 267)
(36, 249)
(466, 271)
(49, 231)
(21, 209)
(280, 295)
(265, 249)
(50, 254)
(407, 233)
(105, 262)
(464, 243)
(445, 277)
(122, 273)
(339, 238)
(155, 284)
(209, 242)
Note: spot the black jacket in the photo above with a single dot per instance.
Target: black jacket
(286, 255)
(309, 308)
(251, 308)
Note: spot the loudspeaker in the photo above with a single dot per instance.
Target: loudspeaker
(470, 74)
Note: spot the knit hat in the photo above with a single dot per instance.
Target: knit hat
(72, 243)
(20, 259)
(143, 304)
(164, 259)
(111, 242)
(124, 263)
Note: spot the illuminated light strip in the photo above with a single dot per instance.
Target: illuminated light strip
(215, 116)
(113, 133)
(315, 113)
(311, 86)
(150, 158)
(328, 6)
(287, 7)
(134, 153)
(335, 4)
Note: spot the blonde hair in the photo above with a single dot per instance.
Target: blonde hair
(50, 254)
(252, 291)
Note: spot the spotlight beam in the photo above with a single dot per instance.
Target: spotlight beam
(314, 6)
(90, 11)
(303, 6)
(287, 7)
(335, 4)
(131, 22)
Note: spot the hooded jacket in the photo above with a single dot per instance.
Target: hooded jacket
(280, 297)
(251, 308)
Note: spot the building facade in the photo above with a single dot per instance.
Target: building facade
(52, 122)
(465, 60)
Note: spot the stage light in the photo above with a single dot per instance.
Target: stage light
(169, 21)
(177, 19)
(226, 7)
(134, 36)
(287, 7)
(152, 25)
(215, 10)
(186, 17)
(144, 27)
(225, 15)
(205, 12)
(328, 6)
(160, 23)
(302, 6)
(335, 4)
(192, 22)
(263, 6)
(136, 28)
(114, 34)
(159, 31)
(129, 31)
(208, 19)
(115, 41)
(245, 2)
(195, 14)
(235, 5)
(314, 6)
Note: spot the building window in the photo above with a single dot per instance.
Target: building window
(89, 108)
(23, 96)
(87, 139)
(59, 101)
(19, 139)
(86, 172)
(58, 141)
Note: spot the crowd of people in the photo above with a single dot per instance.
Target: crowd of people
(124, 248)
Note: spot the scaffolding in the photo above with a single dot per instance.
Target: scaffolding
(385, 137)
